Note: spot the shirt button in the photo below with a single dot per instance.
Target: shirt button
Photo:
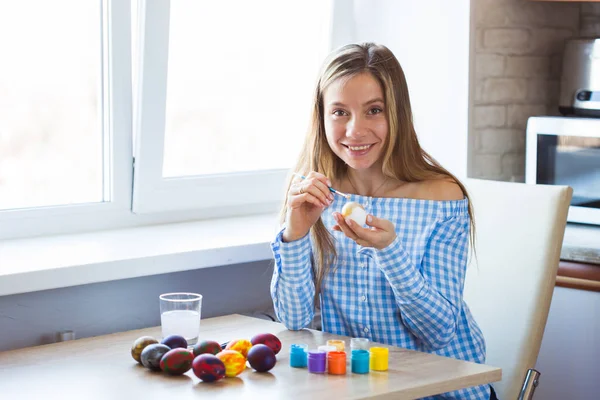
(363, 298)
(363, 265)
(366, 330)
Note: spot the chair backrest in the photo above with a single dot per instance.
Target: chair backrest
(510, 279)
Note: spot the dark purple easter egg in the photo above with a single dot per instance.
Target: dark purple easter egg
(175, 341)
(261, 357)
(207, 347)
(152, 354)
(177, 361)
(269, 340)
(208, 368)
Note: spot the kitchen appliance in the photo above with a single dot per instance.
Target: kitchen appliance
(566, 151)
(580, 80)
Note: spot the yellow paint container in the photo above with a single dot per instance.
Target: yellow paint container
(379, 358)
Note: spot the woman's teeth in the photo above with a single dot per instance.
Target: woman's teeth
(359, 148)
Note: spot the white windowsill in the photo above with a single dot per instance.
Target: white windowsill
(28, 265)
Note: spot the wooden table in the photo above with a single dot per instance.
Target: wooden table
(102, 368)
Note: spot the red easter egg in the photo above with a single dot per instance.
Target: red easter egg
(177, 361)
(207, 347)
(269, 340)
(208, 368)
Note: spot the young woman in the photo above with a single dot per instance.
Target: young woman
(398, 280)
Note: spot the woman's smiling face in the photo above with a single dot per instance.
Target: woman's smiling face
(356, 123)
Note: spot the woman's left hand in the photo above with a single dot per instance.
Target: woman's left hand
(379, 234)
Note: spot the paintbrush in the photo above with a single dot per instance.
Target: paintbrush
(332, 190)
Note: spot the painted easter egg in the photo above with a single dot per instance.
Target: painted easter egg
(355, 212)
(138, 346)
(152, 354)
(267, 339)
(240, 345)
(208, 367)
(175, 341)
(234, 361)
(261, 357)
(177, 361)
(207, 347)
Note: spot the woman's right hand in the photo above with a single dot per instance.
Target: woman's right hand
(306, 200)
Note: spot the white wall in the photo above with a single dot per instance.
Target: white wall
(35, 318)
(431, 41)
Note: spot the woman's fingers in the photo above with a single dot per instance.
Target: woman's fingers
(320, 177)
(344, 226)
(379, 236)
(362, 236)
(379, 223)
(320, 182)
(297, 200)
(316, 185)
(306, 188)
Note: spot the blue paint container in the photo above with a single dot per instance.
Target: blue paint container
(298, 355)
(360, 361)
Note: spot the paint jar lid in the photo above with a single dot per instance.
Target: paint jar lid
(327, 349)
(359, 343)
(317, 354)
(360, 354)
(340, 345)
(298, 348)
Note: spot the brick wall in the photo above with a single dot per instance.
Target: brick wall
(518, 55)
(590, 20)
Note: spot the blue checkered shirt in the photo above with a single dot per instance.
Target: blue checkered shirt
(408, 294)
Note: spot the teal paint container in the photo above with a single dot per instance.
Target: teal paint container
(298, 355)
(360, 361)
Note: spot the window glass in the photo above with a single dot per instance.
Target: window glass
(241, 76)
(51, 149)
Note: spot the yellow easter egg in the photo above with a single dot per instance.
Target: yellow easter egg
(234, 361)
(240, 345)
(139, 345)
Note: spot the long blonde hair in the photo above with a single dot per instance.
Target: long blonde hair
(403, 157)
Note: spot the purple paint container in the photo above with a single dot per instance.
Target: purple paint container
(316, 361)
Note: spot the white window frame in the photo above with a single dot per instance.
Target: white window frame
(211, 195)
(138, 193)
(117, 147)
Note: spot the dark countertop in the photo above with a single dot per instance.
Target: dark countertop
(581, 244)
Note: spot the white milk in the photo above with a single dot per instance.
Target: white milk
(185, 323)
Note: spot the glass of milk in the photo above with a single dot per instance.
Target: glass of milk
(180, 315)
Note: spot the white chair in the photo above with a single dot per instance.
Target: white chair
(510, 280)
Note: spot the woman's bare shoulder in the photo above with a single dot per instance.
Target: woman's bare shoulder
(437, 189)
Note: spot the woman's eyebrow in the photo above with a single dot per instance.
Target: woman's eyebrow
(375, 100)
(340, 104)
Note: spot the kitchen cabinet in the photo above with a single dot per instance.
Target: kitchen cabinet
(569, 358)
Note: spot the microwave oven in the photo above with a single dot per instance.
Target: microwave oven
(566, 151)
